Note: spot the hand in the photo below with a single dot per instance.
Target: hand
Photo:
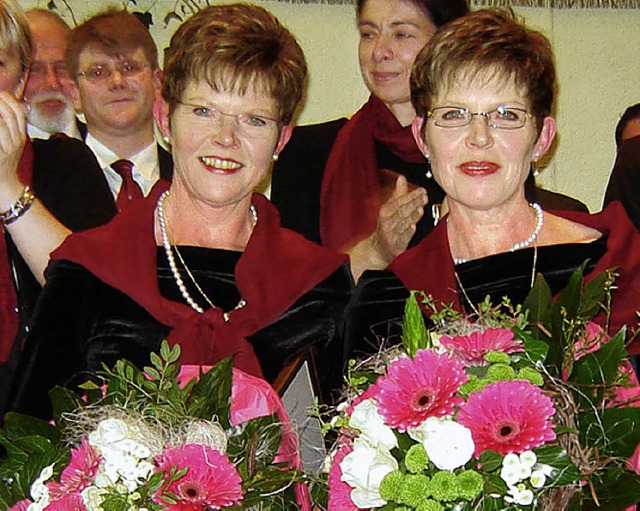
(397, 220)
(13, 136)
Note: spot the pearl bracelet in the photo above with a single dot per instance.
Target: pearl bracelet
(19, 208)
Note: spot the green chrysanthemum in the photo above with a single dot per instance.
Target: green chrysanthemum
(414, 489)
(416, 459)
(444, 486)
(470, 483)
(530, 374)
(390, 486)
(497, 357)
(472, 386)
(501, 372)
(430, 505)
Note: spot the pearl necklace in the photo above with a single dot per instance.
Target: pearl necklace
(174, 268)
(521, 244)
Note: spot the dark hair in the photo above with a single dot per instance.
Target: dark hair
(630, 114)
(486, 40)
(234, 48)
(114, 32)
(440, 11)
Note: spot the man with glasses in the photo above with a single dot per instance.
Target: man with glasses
(49, 89)
(114, 63)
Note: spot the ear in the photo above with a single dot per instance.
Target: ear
(285, 135)
(19, 90)
(157, 81)
(416, 130)
(547, 134)
(161, 115)
(74, 96)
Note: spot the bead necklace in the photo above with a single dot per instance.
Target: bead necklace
(521, 244)
(174, 269)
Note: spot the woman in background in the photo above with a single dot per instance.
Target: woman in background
(206, 263)
(343, 205)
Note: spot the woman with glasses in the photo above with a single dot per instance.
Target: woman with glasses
(205, 262)
(483, 90)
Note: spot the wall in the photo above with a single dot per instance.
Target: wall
(598, 74)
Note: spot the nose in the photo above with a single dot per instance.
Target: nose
(479, 131)
(52, 80)
(382, 49)
(116, 79)
(225, 130)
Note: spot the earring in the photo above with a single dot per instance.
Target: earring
(166, 139)
(275, 157)
(428, 174)
(534, 165)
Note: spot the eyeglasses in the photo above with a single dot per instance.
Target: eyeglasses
(502, 118)
(248, 124)
(99, 73)
(40, 69)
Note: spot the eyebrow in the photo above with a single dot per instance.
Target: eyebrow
(393, 24)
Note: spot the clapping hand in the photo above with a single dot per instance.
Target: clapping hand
(13, 136)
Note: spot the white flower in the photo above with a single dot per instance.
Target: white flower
(364, 469)
(538, 479)
(421, 433)
(449, 445)
(109, 432)
(547, 470)
(522, 497)
(39, 492)
(92, 498)
(528, 458)
(369, 422)
(510, 474)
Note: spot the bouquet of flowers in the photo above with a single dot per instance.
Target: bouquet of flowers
(167, 437)
(519, 408)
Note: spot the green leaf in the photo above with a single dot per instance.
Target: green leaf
(211, 394)
(538, 302)
(557, 457)
(63, 401)
(616, 489)
(491, 460)
(414, 331)
(615, 431)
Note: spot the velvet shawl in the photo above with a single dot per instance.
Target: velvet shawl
(350, 197)
(276, 268)
(429, 266)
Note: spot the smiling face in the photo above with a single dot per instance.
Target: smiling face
(216, 161)
(392, 32)
(117, 105)
(481, 167)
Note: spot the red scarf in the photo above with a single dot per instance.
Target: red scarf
(276, 268)
(9, 318)
(350, 197)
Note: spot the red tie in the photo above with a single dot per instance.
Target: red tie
(129, 189)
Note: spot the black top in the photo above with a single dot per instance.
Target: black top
(375, 312)
(81, 322)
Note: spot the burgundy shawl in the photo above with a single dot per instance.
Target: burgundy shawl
(350, 194)
(276, 268)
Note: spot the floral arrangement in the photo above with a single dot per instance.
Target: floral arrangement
(519, 408)
(167, 437)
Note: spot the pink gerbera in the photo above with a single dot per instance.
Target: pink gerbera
(508, 417)
(416, 389)
(339, 491)
(471, 349)
(211, 481)
(82, 469)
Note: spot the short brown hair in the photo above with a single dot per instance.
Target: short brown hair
(234, 48)
(114, 32)
(439, 11)
(486, 40)
(14, 32)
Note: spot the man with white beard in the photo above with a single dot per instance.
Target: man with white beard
(49, 90)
